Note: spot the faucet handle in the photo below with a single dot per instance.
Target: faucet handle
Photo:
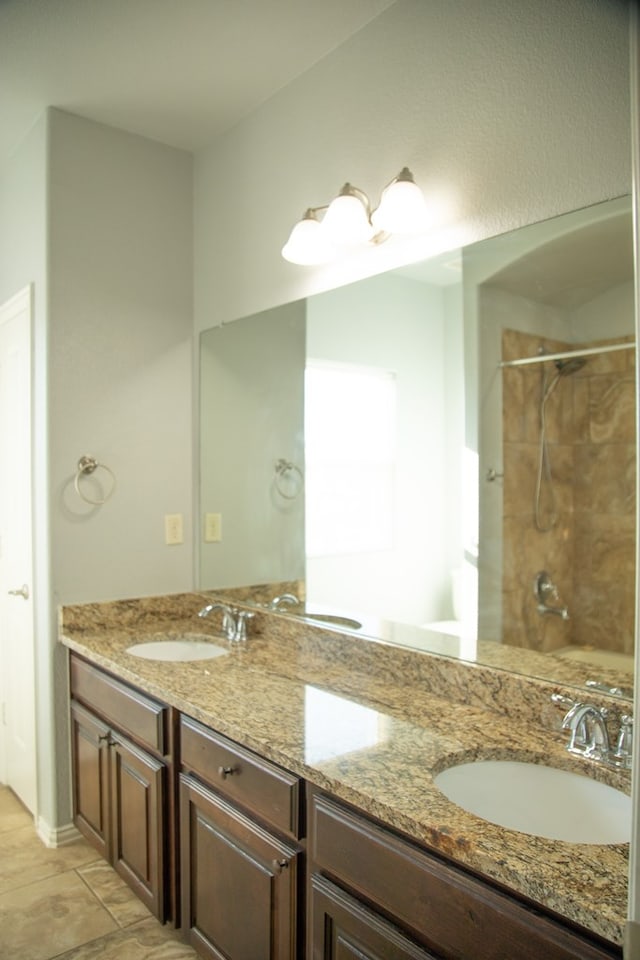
(623, 751)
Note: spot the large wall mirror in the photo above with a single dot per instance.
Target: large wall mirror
(442, 456)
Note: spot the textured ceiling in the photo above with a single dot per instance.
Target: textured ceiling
(178, 71)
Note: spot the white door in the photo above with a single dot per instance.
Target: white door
(17, 668)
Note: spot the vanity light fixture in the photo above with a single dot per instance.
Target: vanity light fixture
(349, 222)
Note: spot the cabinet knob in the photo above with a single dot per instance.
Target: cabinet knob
(280, 865)
(227, 771)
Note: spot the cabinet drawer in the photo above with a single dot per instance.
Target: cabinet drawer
(271, 792)
(126, 708)
(452, 913)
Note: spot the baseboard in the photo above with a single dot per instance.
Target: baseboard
(57, 836)
(631, 940)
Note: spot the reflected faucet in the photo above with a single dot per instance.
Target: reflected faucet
(286, 600)
(544, 589)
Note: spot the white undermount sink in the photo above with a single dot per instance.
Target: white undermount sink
(539, 800)
(178, 648)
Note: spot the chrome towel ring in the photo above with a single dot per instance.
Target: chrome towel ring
(288, 474)
(86, 466)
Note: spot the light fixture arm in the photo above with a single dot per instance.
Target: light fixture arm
(310, 212)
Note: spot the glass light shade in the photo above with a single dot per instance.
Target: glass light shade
(402, 208)
(308, 244)
(346, 221)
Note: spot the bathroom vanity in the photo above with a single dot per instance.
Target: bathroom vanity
(296, 771)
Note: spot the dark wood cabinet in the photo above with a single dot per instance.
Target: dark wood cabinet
(404, 888)
(231, 852)
(91, 800)
(122, 791)
(138, 814)
(345, 929)
(241, 875)
(239, 881)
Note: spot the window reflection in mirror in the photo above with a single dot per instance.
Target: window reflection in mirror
(350, 455)
(486, 457)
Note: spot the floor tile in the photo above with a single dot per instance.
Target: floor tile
(67, 903)
(12, 814)
(25, 859)
(121, 902)
(147, 940)
(44, 919)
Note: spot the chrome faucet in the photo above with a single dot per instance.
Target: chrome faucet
(234, 622)
(228, 622)
(589, 736)
(589, 733)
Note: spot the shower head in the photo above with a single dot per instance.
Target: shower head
(567, 367)
(564, 368)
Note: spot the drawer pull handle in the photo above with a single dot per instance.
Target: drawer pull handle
(227, 771)
(280, 865)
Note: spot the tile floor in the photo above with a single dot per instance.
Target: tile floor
(68, 904)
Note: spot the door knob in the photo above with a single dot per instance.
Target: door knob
(22, 591)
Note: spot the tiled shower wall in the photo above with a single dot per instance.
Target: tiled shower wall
(589, 552)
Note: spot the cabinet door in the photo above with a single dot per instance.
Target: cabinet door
(341, 928)
(138, 813)
(239, 882)
(90, 760)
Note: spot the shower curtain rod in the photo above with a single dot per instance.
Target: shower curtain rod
(566, 354)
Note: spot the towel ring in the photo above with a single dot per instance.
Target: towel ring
(287, 469)
(87, 466)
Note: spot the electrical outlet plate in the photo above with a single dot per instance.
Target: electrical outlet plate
(173, 533)
(212, 527)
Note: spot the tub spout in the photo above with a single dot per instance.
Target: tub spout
(544, 590)
(555, 611)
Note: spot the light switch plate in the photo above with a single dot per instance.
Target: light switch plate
(212, 527)
(173, 533)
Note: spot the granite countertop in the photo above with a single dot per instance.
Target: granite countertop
(373, 725)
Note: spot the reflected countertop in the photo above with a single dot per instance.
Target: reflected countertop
(373, 725)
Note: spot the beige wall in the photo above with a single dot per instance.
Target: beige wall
(120, 349)
(507, 111)
(252, 376)
(119, 377)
